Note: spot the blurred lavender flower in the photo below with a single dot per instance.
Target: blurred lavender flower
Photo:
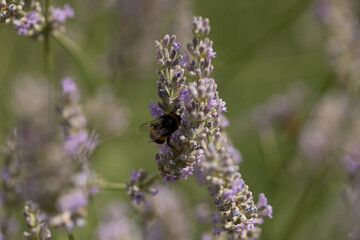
(166, 218)
(62, 14)
(117, 224)
(343, 47)
(107, 114)
(76, 139)
(40, 167)
(322, 134)
(29, 20)
(281, 109)
(200, 138)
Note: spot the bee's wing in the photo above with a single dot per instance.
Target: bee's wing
(145, 127)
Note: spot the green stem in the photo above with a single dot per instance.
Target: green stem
(71, 236)
(151, 180)
(110, 185)
(270, 149)
(47, 56)
(314, 188)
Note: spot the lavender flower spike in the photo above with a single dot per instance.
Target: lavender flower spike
(201, 139)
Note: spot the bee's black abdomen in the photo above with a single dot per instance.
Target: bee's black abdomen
(160, 140)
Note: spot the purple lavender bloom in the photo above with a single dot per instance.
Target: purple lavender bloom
(169, 179)
(164, 149)
(185, 96)
(29, 20)
(236, 212)
(134, 175)
(138, 198)
(237, 185)
(215, 220)
(188, 171)
(216, 230)
(68, 85)
(69, 11)
(267, 212)
(32, 18)
(248, 224)
(155, 110)
(210, 54)
(72, 201)
(236, 155)
(185, 60)
(73, 142)
(262, 201)
(352, 164)
(229, 194)
(176, 45)
(207, 236)
(211, 102)
(22, 27)
(62, 14)
(222, 104)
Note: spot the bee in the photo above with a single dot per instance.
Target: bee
(160, 129)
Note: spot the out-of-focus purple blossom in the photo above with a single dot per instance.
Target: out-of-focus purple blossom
(32, 18)
(155, 110)
(72, 200)
(236, 155)
(207, 236)
(68, 85)
(169, 179)
(138, 198)
(23, 25)
(320, 10)
(79, 142)
(134, 175)
(262, 201)
(281, 108)
(352, 164)
(73, 142)
(62, 14)
(116, 224)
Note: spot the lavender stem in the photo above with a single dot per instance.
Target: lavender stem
(47, 55)
(71, 236)
(111, 185)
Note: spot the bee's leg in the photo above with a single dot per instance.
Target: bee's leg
(169, 144)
